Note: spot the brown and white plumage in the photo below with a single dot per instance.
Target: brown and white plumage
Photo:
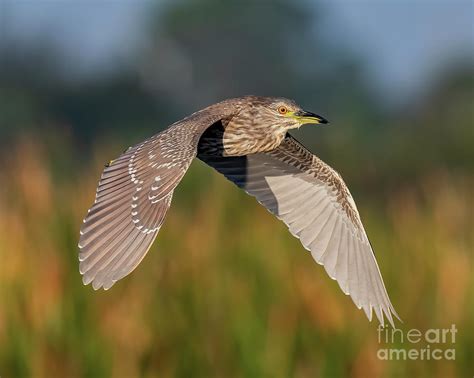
(246, 140)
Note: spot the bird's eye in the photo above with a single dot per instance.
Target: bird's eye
(282, 109)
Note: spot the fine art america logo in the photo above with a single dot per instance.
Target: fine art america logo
(432, 344)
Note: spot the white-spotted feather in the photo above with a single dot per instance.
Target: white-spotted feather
(132, 198)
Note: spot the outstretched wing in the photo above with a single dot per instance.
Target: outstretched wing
(314, 202)
(132, 199)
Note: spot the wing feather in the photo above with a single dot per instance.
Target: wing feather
(133, 197)
(314, 202)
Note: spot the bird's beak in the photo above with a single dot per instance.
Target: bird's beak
(308, 117)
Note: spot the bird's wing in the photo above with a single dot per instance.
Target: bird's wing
(314, 202)
(132, 199)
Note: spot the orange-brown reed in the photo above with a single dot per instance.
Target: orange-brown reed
(225, 290)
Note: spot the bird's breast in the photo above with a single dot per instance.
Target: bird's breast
(230, 139)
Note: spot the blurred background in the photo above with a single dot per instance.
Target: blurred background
(81, 81)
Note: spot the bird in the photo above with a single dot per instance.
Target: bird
(247, 140)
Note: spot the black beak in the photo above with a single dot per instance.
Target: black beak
(314, 116)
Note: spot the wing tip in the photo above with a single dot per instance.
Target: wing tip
(86, 280)
(97, 284)
(381, 313)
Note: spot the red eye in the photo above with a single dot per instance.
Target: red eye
(282, 110)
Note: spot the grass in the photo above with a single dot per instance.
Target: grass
(225, 290)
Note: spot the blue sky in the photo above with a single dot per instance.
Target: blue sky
(406, 42)
(403, 43)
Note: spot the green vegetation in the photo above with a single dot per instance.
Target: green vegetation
(226, 291)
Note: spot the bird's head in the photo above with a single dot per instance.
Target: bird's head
(280, 112)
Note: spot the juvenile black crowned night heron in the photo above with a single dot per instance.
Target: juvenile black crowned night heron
(247, 140)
